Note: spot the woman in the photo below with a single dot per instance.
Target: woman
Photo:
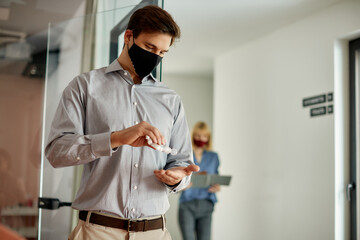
(197, 204)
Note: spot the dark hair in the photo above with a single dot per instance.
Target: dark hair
(151, 19)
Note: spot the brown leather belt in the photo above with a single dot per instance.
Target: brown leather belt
(129, 225)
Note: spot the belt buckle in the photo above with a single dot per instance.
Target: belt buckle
(129, 225)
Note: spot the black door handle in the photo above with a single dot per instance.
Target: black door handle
(51, 203)
(349, 189)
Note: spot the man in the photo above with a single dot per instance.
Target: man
(102, 122)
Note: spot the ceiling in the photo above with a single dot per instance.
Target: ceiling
(209, 27)
(30, 18)
(33, 16)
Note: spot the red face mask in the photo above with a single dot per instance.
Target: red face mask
(199, 143)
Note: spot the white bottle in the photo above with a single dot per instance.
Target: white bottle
(161, 148)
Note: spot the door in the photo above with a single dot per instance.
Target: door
(74, 46)
(352, 187)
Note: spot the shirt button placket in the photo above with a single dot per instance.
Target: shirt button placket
(135, 105)
(135, 173)
(134, 157)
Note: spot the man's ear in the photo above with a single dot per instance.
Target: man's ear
(127, 36)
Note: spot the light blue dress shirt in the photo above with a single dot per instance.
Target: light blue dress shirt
(119, 181)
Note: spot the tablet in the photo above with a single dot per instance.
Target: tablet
(206, 180)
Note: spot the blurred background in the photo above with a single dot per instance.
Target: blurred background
(276, 80)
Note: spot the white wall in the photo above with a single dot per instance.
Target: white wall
(196, 93)
(281, 159)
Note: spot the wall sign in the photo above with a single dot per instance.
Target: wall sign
(317, 111)
(314, 100)
(330, 109)
(330, 97)
(320, 99)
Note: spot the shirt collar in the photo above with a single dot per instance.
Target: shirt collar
(115, 66)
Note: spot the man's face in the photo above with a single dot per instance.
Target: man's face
(157, 43)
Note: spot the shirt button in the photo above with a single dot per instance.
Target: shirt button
(136, 165)
(133, 209)
(125, 73)
(135, 187)
(135, 103)
(136, 122)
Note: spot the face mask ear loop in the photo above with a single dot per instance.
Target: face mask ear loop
(133, 40)
(128, 44)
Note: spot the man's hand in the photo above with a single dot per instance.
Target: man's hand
(135, 136)
(174, 175)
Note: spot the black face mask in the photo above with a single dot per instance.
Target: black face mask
(143, 61)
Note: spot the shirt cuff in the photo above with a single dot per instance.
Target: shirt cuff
(101, 145)
(181, 185)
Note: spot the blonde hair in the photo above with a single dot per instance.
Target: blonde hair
(204, 128)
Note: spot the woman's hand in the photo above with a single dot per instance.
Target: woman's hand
(214, 188)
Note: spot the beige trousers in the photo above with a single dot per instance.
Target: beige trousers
(89, 231)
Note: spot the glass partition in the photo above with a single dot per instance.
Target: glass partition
(21, 86)
(74, 46)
